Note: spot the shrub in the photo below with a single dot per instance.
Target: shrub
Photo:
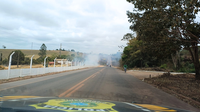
(146, 65)
(163, 66)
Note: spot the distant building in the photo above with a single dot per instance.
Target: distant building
(61, 61)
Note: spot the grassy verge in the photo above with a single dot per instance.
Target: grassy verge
(183, 86)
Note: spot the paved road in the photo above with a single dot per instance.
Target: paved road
(104, 83)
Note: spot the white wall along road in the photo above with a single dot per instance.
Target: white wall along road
(12, 73)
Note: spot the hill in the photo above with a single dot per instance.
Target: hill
(29, 53)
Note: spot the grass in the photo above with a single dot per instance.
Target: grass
(29, 53)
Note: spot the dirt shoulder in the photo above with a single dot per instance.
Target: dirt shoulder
(182, 86)
(144, 74)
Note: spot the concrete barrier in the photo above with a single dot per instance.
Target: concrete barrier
(35, 71)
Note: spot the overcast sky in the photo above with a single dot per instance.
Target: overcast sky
(83, 25)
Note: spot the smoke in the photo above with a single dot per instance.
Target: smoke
(92, 59)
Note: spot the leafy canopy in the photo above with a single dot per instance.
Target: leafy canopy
(42, 52)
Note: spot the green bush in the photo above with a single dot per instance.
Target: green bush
(146, 65)
(192, 70)
(182, 70)
(187, 70)
(190, 65)
(163, 66)
(5, 61)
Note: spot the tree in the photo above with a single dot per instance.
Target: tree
(168, 22)
(5, 61)
(72, 50)
(69, 57)
(135, 55)
(26, 60)
(52, 57)
(4, 46)
(63, 57)
(73, 55)
(1, 55)
(17, 58)
(42, 52)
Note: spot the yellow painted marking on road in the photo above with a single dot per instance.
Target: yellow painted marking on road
(29, 83)
(93, 76)
(5, 98)
(62, 94)
(156, 108)
(74, 87)
(69, 94)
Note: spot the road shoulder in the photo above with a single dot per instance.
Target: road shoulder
(182, 86)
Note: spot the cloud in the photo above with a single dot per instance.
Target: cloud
(83, 25)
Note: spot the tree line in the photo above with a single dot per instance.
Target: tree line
(162, 29)
(19, 58)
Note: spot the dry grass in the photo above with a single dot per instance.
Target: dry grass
(29, 53)
(25, 66)
(33, 66)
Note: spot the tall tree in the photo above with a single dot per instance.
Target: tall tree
(4, 46)
(168, 21)
(17, 58)
(42, 52)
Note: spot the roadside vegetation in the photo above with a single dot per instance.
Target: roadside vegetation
(21, 58)
(165, 35)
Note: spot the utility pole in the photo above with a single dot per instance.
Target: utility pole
(60, 49)
(54, 62)
(31, 64)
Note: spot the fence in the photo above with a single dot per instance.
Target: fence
(5, 74)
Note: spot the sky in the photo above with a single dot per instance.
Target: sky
(83, 25)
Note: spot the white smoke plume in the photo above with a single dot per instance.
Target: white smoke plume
(92, 60)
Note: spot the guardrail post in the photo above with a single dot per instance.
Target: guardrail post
(45, 64)
(10, 60)
(54, 64)
(31, 64)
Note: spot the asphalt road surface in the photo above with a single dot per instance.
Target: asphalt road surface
(102, 83)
